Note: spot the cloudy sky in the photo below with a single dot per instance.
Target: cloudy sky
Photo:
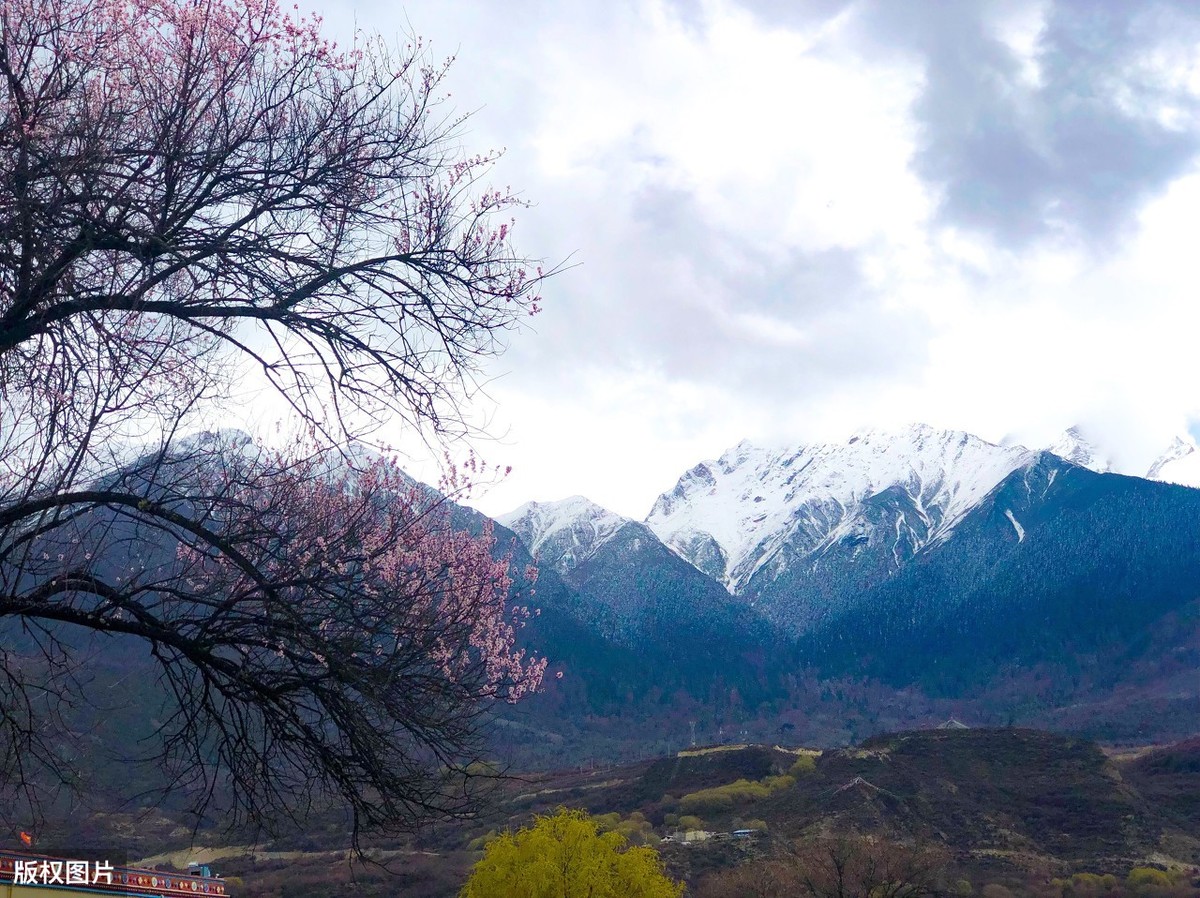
(791, 220)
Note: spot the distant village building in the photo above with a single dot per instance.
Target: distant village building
(690, 836)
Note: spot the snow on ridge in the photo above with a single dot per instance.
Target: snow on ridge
(753, 498)
(733, 515)
(1180, 464)
(1074, 446)
(759, 506)
(575, 526)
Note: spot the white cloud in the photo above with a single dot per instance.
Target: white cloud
(761, 255)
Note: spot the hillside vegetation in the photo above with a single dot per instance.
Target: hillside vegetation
(1015, 808)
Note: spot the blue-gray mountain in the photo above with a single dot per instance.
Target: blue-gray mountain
(1008, 582)
(821, 593)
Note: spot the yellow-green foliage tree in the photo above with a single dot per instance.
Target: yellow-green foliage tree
(567, 856)
(1142, 878)
(722, 798)
(805, 764)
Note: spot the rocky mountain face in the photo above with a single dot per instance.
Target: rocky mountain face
(630, 586)
(564, 534)
(1060, 569)
(757, 512)
(867, 505)
(1025, 580)
(687, 639)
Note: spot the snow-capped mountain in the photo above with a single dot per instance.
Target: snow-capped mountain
(630, 586)
(1179, 463)
(757, 509)
(1080, 450)
(915, 558)
(874, 501)
(563, 534)
(812, 538)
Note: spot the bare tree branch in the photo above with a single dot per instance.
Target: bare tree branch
(191, 185)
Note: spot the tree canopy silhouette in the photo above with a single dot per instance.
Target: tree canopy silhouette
(193, 192)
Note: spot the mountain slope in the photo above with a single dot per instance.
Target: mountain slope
(689, 635)
(563, 534)
(1059, 566)
(989, 795)
(909, 561)
(756, 510)
(633, 588)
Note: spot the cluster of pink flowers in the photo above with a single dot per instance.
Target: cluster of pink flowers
(368, 561)
(295, 157)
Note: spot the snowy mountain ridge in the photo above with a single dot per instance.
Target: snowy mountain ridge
(756, 510)
(1179, 463)
(732, 516)
(565, 533)
(1078, 449)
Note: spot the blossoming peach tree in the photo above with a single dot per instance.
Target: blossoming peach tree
(191, 190)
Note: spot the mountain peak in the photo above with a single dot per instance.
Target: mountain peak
(564, 533)
(1180, 463)
(1077, 447)
(733, 515)
(757, 510)
(915, 430)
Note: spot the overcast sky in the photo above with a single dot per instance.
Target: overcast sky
(792, 220)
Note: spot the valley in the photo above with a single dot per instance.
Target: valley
(1016, 807)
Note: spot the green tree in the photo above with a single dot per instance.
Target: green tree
(567, 856)
(1140, 878)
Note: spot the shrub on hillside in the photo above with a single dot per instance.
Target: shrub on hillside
(805, 764)
(995, 890)
(637, 830)
(720, 799)
(723, 798)
(1093, 883)
(1143, 878)
(479, 843)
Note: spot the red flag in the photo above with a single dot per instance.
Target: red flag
(26, 838)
